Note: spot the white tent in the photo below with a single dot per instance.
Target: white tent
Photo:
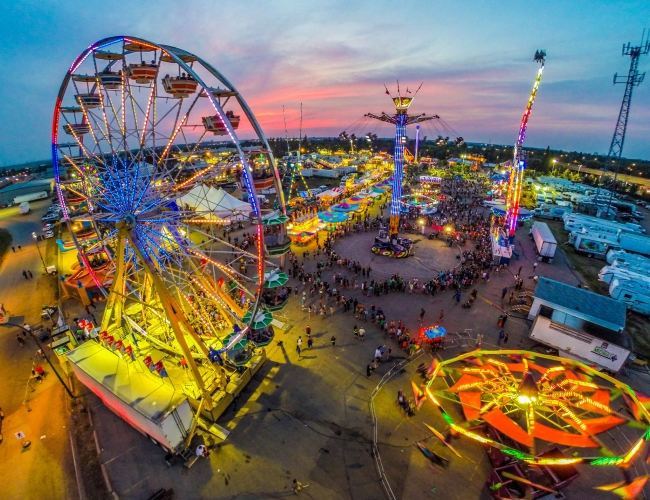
(215, 202)
(225, 203)
(197, 198)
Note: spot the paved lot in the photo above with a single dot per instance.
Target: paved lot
(45, 469)
(309, 417)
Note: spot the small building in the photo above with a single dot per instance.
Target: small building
(580, 324)
(8, 193)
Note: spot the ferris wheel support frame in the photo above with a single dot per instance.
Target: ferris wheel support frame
(174, 314)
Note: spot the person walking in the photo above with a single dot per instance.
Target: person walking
(500, 337)
(441, 315)
(20, 340)
(356, 332)
(299, 341)
(298, 350)
(13, 249)
(310, 343)
(422, 312)
(458, 297)
(296, 487)
(368, 371)
(500, 320)
(535, 266)
(362, 334)
(479, 340)
(505, 338)
(20, 248)
(30, 274)
(505, 318)
(512, 296)
(504, 292)
(308, 331)
(333, 341)
(25, 274)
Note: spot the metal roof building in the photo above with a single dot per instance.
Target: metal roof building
(580, 303)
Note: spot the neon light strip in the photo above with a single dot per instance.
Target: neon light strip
(171, 140)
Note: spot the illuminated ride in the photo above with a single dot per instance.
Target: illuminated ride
(518, 165)
(130, 118)
(388, 243)
(521, 405)
(421, 203)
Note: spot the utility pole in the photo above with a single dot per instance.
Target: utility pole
(633, 79)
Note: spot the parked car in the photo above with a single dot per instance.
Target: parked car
(49, 234)
(628, 217)
(48, 227)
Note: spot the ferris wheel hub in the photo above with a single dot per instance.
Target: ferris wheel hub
(129, 221)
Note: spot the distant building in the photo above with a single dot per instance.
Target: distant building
(580, 324)
(8, 193)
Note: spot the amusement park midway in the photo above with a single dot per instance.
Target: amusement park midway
(188, 314)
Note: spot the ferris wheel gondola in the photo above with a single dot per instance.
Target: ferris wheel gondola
(144, 219)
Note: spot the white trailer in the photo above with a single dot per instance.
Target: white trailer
(635, 243)
(595, 245)
(545, 243)
(579, 345)
(587, 220)
(143, 399)
(41, 195)
(594, 231)
(609, 273)
(625, 259)
(554, 212)
(635, 294)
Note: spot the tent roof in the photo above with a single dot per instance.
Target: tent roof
(209, 199)
(225, 201)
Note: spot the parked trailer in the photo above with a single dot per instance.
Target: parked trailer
(588, 220)
(635, 294)
(554, 212)
(622, 257)
(143, 400)
(635, 243)
(574, 344)
(609, 273)
(594, 231)
(545, 243)
(581, 227)
(595, 245)
(41, 195)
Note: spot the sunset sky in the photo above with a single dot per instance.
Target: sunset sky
(474, 58)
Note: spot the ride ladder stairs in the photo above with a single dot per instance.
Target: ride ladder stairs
(520, 307)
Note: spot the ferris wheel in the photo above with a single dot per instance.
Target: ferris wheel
(147, 133)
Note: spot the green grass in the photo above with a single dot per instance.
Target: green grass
(5, 243)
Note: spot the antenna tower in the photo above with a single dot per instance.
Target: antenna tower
(633, 79)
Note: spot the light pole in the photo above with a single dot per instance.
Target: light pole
(44, 355)
(35, 236)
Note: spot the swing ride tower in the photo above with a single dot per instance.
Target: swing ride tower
(401, 119)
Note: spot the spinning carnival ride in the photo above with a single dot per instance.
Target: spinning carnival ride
(521, 404)
(135, 115)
